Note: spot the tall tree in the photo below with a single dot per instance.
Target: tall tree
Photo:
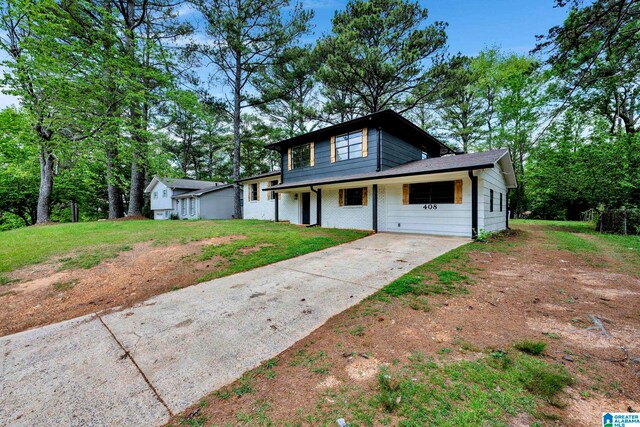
(46, 74)
(519, 108)
(595, 54)
(247, 37)
(288, 90)
(378, 52)
(459, 102)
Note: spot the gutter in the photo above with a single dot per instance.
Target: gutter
(318, 207)
(474, 204)
(371, 178)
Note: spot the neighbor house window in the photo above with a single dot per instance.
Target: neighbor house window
(166, 214)
(349, 146)
(184, 207)
(432, 192)
(490, 200)
(500, 202)
(253, 192)
(164, 193)
(301, 156)
(155, 194)
(192, 204)
(353, 197)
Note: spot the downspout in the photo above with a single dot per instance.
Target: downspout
(474, 204)
(379, 164)
(318, 207)
(506, 205)
(375, 208)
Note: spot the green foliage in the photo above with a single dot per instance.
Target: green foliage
(375, 56)
(531, 347)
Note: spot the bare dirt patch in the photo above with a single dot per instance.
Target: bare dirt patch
(42, 294)
(531, 291)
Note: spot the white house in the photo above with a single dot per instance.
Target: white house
(190, 199)
(382, 173)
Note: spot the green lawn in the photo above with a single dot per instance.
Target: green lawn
(582, 237)
(83, 245)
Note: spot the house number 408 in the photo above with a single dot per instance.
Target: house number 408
(430, 207)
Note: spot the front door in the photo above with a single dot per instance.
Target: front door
(306, 208)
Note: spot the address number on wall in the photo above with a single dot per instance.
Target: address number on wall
(430, 207)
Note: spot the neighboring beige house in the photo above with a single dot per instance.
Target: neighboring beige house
(190, 199)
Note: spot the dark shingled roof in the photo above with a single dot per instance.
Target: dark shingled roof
(460, 162)
(202, 191)
(262, 175)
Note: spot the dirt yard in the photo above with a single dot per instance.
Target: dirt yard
(521, 287)
(44, 293)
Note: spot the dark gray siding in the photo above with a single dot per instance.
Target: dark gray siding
(323, 167)
(396, 151)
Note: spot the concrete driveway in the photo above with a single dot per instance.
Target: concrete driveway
(136, 367)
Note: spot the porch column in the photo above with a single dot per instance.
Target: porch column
(374, 202)
(275, 196)
(319, 207)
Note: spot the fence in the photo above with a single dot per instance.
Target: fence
(619, 221)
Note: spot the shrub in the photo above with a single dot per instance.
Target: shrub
(531, 347)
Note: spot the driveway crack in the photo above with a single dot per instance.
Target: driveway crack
(128, 355)
(332, 278)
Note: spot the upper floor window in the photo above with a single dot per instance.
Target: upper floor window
(253, 192)
(155, 194)
(301, 156)
(349, 146)
(432, 193)
(164, 193)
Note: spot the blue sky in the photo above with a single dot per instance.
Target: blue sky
(473, 24)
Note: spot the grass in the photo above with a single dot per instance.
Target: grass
(582, 237)
(486, 391)
(64, 286)
(531, 347)
(84, 245)
(442, 275)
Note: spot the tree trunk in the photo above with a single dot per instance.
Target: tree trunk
(116, 207)
(237, 207)
(47, 161)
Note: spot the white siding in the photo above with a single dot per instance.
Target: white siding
(447, 219)
(160, 202)
(336, 216)
(259, 209)
(289, 208)
(492, 179)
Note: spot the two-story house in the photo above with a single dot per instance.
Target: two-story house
(190, 199)
(383, 173)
